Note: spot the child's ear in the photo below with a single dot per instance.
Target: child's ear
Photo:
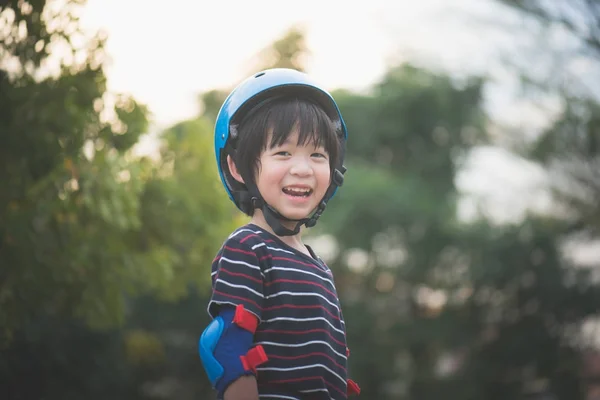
(233, 170)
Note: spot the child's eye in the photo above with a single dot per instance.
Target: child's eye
(282, 153)
(319, 155)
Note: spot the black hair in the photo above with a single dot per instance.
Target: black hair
(278, 117)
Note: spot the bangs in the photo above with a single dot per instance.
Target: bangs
(305, 118)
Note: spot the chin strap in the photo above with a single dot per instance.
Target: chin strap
(274, 218)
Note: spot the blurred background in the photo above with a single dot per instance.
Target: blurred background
(465, 242)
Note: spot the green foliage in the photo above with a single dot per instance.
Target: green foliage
(570, 151)
(64, 211)
(84, 225)
(185, 210)
(439, 121)
(405, 145)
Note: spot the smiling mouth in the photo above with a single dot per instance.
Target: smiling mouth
(297, 192)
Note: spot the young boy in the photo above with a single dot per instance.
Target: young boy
(277, 330)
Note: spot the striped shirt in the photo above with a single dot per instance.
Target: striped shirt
(301, 326)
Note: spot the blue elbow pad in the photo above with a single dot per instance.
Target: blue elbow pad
(225, 347)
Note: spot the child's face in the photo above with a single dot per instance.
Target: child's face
(292, 178)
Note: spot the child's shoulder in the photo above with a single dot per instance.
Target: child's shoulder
(253, 240)
(244, 246)
(248, 233)
(249, 237)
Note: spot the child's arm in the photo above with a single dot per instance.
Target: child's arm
(227, 345)
(244, 388)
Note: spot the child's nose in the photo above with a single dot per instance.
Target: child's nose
(301, 167)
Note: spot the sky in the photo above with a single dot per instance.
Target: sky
(167, 55)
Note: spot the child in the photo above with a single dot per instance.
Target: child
(277, 329)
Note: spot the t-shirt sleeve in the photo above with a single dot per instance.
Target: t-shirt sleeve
(237, 278)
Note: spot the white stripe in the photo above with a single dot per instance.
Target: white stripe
(241, 263)
(272, 248)
(313, 390)
(282, 250)
(277, 396)
(302, 272)
(240, 287)
(302, 345)
(213, 273)
(243, 230)
(303, 367)
(303, 294)
(305, 319)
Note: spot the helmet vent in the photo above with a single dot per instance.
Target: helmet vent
(259, 75)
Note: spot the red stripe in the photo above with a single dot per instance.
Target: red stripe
(305, 356)
(255, 235)
(248, 236)
(250, 253)
(241, 274)
(239, 298)
(295, 306)
(302, 333)
(302, 282)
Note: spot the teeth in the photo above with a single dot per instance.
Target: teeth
(297, 191)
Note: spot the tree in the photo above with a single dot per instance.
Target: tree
(68, 191)
(568, 147)
(185, 212)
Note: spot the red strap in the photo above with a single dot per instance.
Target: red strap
(353, 388)
(245, 319)
(347, 352)
(255, 357)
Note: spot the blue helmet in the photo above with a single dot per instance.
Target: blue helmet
(255, 89)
